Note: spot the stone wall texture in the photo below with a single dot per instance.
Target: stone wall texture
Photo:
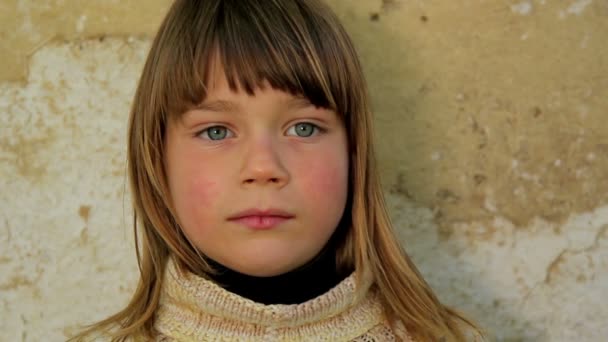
(490, 123)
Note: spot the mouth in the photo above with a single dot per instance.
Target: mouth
(261, 222)
(261, 219)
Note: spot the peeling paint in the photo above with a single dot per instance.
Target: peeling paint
(529, 274)
(84, 212)
(523, 8)
(491, 140)
(80, 23)
(577, 7)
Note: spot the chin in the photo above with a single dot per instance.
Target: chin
(263, 268)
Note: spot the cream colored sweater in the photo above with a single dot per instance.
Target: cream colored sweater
(194, 309)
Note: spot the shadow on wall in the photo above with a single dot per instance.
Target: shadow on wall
(398, 88)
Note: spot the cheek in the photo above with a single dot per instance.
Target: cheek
(196, 205)
(201, 191)
(196, 188)
(326, 179)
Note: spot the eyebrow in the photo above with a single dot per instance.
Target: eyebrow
(221, 106)
(298, 103)
(224, 106)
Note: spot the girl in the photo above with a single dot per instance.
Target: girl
(257, 202)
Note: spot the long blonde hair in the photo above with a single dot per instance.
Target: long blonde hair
(297, 46)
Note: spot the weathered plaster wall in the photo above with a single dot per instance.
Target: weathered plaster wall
(489, 126)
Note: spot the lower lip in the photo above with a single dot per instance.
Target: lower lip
(261, 222)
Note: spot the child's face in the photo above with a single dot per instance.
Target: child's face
(268, 151)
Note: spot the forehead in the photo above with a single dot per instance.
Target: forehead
(218, 87)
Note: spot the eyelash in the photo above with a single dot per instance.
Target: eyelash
(317, 130)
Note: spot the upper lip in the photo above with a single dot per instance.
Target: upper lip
(261, 212)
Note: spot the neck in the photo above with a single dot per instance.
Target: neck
(302, 284)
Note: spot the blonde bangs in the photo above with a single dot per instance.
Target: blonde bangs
(256, 41)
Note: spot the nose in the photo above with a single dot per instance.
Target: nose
(263, 165)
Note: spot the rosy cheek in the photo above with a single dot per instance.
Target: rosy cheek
(326, 179)
(202, 192)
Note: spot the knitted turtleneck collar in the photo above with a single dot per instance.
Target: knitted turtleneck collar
(192, 308)
(304, 283)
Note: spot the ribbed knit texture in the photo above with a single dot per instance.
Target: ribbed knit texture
(195, 309)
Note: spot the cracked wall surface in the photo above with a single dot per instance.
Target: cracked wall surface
(490, 124)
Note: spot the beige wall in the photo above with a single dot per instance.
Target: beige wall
(491, 127)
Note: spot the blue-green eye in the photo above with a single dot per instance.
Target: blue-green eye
(215, 133)
(304, 129)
